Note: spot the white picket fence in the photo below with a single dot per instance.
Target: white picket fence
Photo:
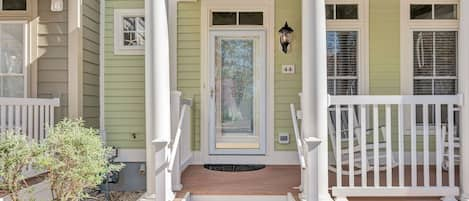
(422, 129)
(30, 116)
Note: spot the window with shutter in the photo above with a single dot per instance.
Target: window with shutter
(342, 62)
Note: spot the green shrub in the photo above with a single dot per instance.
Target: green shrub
(75, 159)
(16, 153)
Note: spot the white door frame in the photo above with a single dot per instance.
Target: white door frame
(260, 91)
(268, 7)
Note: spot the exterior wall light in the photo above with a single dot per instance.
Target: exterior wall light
(285, 37)
(56, 5)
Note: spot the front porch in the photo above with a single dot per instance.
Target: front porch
(349, 145)
(280, 180)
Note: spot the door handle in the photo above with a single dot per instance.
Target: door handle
(211, 92)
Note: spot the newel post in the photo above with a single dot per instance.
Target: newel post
(464, 89)
(157, 100)
(314, 97)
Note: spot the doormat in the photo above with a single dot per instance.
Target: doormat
(233, 167)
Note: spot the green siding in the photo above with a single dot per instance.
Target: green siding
(124, 86)
(188, 72)
(384, 47)
(90, 20)
(287, 86)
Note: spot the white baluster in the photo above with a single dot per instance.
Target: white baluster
(401, 145)
(364, 158)
(388, 146)
(338, 144)
(451, 144)
(426, 155)
(439, 144)
(376, 164)
(351, 146)
(413, 145)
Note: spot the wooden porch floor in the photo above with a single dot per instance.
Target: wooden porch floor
(272, 180)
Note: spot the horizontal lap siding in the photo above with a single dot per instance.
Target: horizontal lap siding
(188, 59)
(52, 59)
(124, 86)
(384, 53)
(287, 86)
(90, 20)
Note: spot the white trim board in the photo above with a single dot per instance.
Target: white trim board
(131, 155)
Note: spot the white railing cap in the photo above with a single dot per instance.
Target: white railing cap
(30, 101)
(396, 99)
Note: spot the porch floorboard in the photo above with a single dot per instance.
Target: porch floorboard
(272, 180)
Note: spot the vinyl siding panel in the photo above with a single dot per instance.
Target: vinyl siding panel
(188, 59)
(52, 57)
(124, 86)
(90, 20)
(287, 86)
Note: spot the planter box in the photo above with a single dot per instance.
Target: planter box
(39, 192)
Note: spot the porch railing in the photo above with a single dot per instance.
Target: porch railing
(180, 144)
(299, 141)
(394, 145)
(31, 116)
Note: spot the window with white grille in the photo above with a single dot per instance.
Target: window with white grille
(347, 46)
(129, 31)
(342, 62)
(435, 62)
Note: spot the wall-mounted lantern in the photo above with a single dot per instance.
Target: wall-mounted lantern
(285, 37)
(56, 5)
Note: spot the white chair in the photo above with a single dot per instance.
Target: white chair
(356, 143)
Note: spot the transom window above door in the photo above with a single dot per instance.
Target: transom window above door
(13, 5)
(235, 18)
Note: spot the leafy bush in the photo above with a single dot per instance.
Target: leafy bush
(16, 153)
(75, 159)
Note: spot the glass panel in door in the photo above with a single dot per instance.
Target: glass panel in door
(239, 87)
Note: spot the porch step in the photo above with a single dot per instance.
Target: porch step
(189, 197)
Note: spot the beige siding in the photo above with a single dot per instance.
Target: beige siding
(52, 56)
(90, 20)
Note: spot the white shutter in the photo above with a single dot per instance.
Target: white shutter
(342, 62)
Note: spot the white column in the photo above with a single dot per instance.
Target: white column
(314, 97)
(157, 100)
(464, 89)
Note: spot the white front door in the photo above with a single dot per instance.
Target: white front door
(237, 92)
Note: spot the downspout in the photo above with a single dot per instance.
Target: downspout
(102, 130)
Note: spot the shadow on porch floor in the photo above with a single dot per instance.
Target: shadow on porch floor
(272, 180)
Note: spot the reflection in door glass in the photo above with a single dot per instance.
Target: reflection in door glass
(235, 86)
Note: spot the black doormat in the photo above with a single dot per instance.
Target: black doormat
(233, 167)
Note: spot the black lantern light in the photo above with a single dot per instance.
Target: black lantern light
(285, 37)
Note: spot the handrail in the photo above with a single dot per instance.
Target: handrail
(177, 138)
(299, 142)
